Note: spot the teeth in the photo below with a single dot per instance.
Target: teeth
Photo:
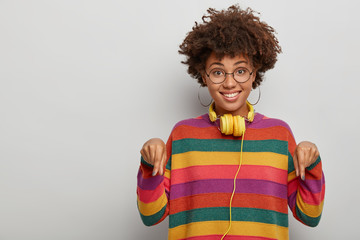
(230, 95)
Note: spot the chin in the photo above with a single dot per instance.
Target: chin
(234, 109)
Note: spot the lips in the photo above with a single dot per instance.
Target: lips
(231, 96)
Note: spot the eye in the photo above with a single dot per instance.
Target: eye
(217, 73)
(240, 71)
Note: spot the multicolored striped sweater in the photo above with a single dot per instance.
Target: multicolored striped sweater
(196, 188)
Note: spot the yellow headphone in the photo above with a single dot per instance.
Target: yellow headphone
(230, 124)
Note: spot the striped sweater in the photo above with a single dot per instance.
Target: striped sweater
(196, 188)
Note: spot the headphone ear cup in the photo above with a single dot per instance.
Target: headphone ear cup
(226, 124)
(223, 124)
(237, 120)
(242, 125)
(239, 126)
(231, 124)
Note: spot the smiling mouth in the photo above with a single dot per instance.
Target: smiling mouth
(231, 95)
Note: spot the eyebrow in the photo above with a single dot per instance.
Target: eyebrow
(220, 64)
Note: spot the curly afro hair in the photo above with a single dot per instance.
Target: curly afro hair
(231, 32)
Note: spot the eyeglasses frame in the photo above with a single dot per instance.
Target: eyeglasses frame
(230, 74)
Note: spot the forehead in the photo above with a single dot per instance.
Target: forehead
(227, 60)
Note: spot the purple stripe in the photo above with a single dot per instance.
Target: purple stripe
(149, 183)
(292, 200)
(313, 186)
(226, 186)
(270, 122)
(202, 122)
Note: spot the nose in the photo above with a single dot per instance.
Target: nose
(229, 81)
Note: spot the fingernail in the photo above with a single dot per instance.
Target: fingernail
(303, 177)
(153, 173)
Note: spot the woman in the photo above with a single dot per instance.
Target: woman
(230, 173)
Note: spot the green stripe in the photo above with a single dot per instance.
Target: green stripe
(309, 221)
(229, 145)
(291, 166)
(222, 213)
(168, 165)
(153, 219)
(314, 164)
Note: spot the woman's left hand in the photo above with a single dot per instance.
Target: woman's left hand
(305, 154)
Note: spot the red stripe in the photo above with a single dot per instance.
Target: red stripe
(312, 198)
(315, 173)
(244, 200)
(293, 186)
(228, 172)
(148, 196)
(146, 171)
(185, 131)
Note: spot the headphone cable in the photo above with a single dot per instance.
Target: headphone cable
(233, 192)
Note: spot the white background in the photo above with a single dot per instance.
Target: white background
(83, 84)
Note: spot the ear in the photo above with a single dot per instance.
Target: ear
(253, 75)
(203, 77)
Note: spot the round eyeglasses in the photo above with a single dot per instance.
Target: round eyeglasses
(218, 75)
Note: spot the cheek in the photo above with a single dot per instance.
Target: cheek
(247, 86)
(212, 90)
(247, 89)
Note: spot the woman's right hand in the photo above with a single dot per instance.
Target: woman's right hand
(154, 153)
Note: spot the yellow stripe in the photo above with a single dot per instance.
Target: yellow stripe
(167, 174)
(291, 176)
(309, 209)
(188, 159)
(148, 209)
(237, 228)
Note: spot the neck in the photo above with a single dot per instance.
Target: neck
(243, 111)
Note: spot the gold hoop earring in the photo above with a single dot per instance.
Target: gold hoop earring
(200, 99)
(258, 97)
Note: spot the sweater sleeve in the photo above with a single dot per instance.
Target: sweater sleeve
(305, 198)
(153, 191)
